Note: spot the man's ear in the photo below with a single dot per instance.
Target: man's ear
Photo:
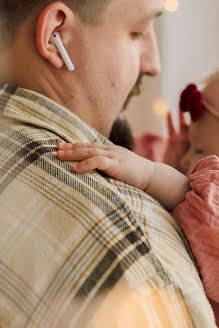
(55, 17)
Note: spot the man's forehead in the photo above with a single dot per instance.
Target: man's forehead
(150, 8)
(144, 9)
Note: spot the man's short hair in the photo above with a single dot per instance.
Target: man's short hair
(14, 12)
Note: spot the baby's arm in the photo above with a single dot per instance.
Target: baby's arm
(167, 185)
(159, 180)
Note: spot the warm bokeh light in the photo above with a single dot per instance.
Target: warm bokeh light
(171, 5)
(160, 107)
(124, 306)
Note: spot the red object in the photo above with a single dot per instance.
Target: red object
(191, 101)
(150, 146)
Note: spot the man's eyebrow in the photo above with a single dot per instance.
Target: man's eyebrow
(159, 13)
(152, 15)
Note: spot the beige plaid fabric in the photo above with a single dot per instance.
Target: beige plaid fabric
(83, 250)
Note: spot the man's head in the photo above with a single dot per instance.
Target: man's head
(13, 13)
(110, 42)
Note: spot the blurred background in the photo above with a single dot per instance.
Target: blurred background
(189, 50)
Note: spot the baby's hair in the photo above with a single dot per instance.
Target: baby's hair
(213, 77)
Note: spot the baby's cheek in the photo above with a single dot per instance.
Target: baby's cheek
(194, 159)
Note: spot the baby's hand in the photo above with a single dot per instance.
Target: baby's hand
(117, 162)
(178, 142)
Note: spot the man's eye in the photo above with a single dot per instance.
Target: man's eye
(136, 35)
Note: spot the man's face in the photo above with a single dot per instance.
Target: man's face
(112, 57)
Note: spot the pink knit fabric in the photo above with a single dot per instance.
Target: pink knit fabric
(150, 146)
(198, 215)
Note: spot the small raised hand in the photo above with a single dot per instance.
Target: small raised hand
(178, 143)
(117, 162)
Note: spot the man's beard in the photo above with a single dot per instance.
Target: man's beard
(136, 90)
(121, 134)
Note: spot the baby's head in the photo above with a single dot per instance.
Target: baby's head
(204, 127)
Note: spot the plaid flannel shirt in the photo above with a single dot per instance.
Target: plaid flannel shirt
(83, 250)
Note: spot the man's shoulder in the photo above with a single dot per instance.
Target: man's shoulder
(32, 151)
(30, 164)
(82, 233)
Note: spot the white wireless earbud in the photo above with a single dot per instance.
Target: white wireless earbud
(56, 38)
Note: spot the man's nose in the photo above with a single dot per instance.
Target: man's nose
(150, 60)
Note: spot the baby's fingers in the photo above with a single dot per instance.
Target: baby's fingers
(72, 146)
(80, 154)
(170, 126)
(99, 162)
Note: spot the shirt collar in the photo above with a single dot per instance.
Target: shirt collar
(36, 109)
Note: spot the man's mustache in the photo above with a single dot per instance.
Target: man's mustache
(137, 88)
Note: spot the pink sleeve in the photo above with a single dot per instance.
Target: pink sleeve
(198, 215)
(150, 146)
